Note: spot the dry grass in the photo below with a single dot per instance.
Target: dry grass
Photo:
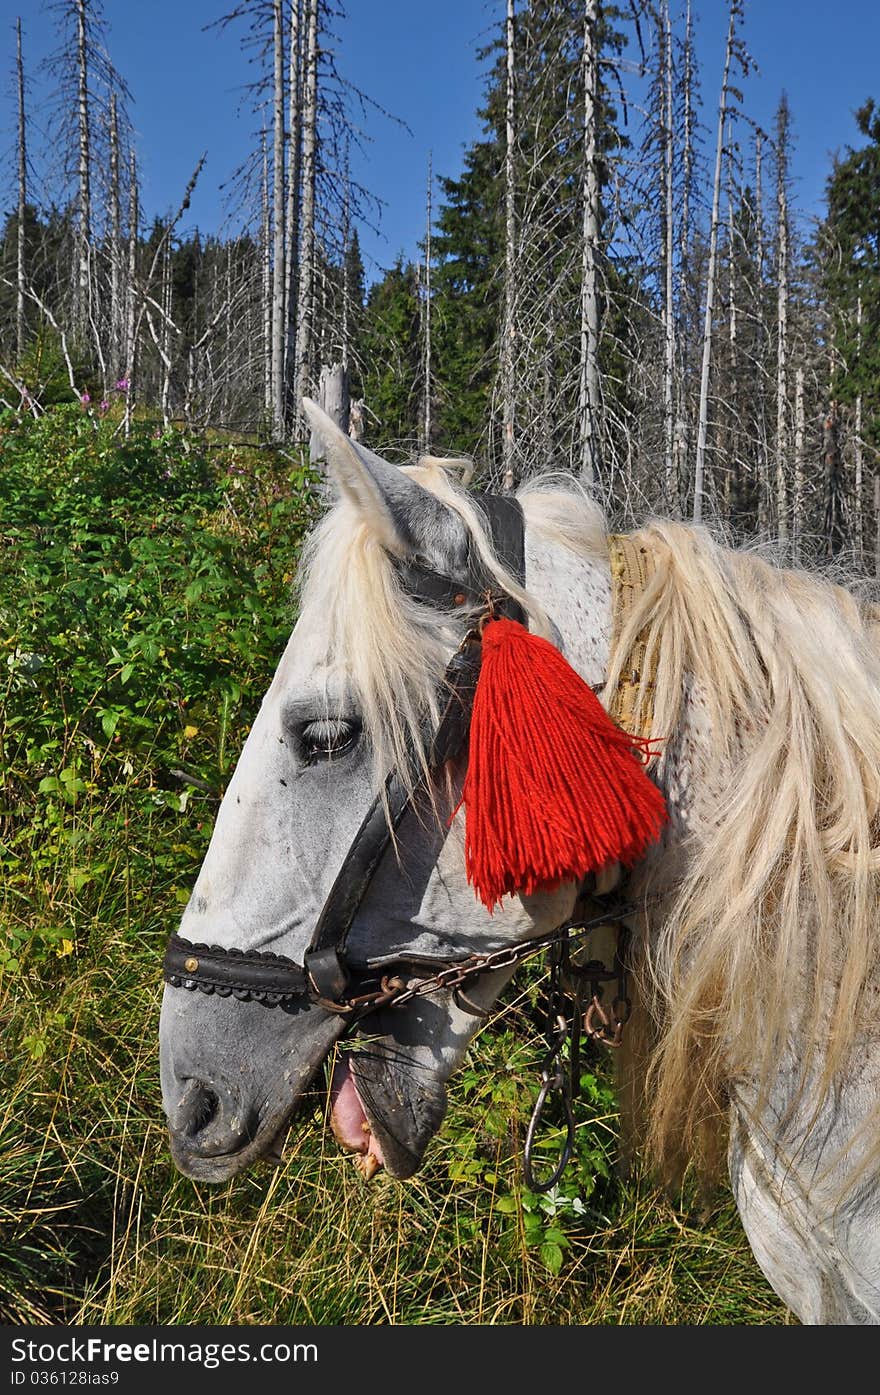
(100, 1229)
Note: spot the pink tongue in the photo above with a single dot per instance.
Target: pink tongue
(347, 1118)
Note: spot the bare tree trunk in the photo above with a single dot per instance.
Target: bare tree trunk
(762, 462)
(797, 511)
(22, 199)
(781, 320)
(116, 316)
(306, 289)
(508, 328)
(227, 333)
(278, 191)
(682, 430)
(589, 403)
(84, 229)
(703, 420)
(130, 293)
(858, 470)
(671, 491)
(266, 260)
(834, 512)
(426, 412)
(165, 345)
(346, 270)
(688, 149)
(291, 222)
(877, 524)
(732, 454)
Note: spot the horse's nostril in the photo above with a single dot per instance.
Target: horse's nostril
(205, 1110)
(211, 1122)
(199, 1106)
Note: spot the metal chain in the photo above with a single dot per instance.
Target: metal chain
(508, 957)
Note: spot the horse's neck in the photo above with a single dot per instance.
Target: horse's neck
(576, 594)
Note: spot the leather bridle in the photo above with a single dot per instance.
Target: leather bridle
(326, 977)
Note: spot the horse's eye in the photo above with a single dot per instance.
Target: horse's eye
(328, 739)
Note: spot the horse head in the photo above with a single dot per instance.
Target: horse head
(356, 696)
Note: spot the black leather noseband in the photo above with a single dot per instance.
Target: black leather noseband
(325, 977)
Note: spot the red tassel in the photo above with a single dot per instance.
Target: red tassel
(554, 789)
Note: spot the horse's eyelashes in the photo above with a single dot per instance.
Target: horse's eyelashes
(327, 738)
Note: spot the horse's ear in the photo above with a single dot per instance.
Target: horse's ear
(406, 517)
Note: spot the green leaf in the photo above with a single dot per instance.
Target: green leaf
(125, 673)
(109, 722)
(551, 1257)
(555, 1236)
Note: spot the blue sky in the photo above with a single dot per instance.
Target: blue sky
(419, 61)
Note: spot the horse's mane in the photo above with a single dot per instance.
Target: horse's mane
(773, 933)
(772, 929)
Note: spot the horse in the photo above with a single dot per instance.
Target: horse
(752, 920)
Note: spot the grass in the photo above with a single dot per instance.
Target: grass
(99, 1228)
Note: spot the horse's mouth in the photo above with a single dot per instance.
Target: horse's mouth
(385, 1108)
(352, 1128)
(356, 1103)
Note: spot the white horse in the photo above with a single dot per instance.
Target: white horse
(756, 1022)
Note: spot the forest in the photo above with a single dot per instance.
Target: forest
(635, 300)
(622, 290)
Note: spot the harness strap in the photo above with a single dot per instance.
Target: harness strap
(233, 972)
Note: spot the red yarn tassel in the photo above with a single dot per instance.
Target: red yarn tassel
(554, 789)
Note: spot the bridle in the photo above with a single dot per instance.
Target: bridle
(326, 978)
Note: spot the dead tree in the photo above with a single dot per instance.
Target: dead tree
(266, 268)
(671, 491)
(858, 462)
(782, 250)
(21, 280)
(305, 308)
(278, 326)
(115, 210)
(589, 395)
(129, 377)
(835, 517)
(82, 308)
(426, 319)
(508, 326)
(797, 503)
(762, 464)
(291, 217)
(703, 418)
